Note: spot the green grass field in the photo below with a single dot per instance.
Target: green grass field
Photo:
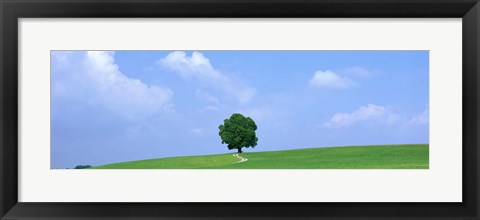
(413, 156)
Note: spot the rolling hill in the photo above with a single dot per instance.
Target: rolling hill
(414, 156)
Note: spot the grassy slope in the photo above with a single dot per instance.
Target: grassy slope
(357, 157)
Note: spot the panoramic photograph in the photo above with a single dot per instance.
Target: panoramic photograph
(239, 109)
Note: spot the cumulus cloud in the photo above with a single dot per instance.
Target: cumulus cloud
(268, 115)
(368, 112)
(329, 79)
(211, 108)
(422, 118)
(213, 103)
(198, 67)
(207, 97)
(94, 76)
(360, 71)
(258, 114)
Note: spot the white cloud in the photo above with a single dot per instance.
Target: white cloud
(60, 58)
(207, 97)
(422, 118)
(378, 114)
(328, 79)
(98, 80)
(195, 66)
(211, 108)
(360, 71)
(258, 114)
(198, 67)
(267, 115)
(213, 103)
(368, 112)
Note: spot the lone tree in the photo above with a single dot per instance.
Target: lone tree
(238, 132)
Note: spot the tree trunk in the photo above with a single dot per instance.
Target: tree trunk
(239, 150)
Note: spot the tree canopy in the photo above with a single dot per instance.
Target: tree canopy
(238, 132)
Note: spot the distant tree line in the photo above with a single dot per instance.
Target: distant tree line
(82, 166)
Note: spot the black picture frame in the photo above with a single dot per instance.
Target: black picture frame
(12, 10)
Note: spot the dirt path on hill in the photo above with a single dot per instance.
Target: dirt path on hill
(242, 159)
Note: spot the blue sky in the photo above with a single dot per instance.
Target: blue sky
(114, 106)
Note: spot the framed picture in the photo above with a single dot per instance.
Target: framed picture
(239, 109)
